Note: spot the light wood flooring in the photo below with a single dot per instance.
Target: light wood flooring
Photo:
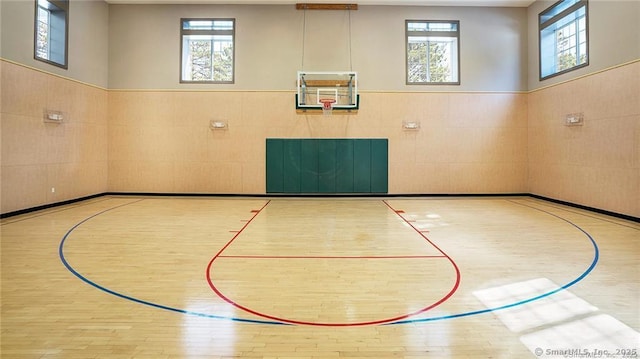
(384, 277)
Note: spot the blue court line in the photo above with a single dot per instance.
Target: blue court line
(413, 321)
(525, 301)
(136, 300)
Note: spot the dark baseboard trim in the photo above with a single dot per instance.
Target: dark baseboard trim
(50, 205)
(592, 209)
(317, 195)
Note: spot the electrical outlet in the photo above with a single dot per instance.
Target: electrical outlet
(53, 190)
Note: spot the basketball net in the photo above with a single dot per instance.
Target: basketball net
(327, 106)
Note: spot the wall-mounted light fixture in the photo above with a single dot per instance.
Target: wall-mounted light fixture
(53, 116)
(218, 125)
(574, 119)
(411, 125)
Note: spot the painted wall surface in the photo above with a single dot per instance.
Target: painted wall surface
(614, 38)
(596, 164)
(45, 163)
(36, 157)
(88, 34)
(147, 133)
(144, 45)
(160, 141)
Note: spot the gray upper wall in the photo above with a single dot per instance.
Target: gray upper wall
(137, 46)
(144, 43)
(88, 39)
(614, 38)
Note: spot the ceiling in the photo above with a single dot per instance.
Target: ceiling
(508, 3)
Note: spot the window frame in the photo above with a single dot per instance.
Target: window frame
(554, 19)
(231, 32)
(432, 34)
(63, 11)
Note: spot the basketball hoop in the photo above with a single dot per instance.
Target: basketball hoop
(327, 105)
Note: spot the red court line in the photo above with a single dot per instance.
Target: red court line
(328, 257)
(408, 221)
(374, 322)
(255, 213)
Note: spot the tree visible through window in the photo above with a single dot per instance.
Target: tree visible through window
(432, 52)
(207, 50)
(42, 33)
(51, 24)
(563, 37)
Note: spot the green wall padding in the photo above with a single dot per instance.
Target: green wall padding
(362, 166)
(327, 165)
(344, 166)
(291, 166)
(308, 167)
(379, 166)
(275, 166)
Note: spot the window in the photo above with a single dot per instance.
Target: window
(564, 38)
(51, 31)
(207, 50)
(433, 52)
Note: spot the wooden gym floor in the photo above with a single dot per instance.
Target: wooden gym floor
(212, 277)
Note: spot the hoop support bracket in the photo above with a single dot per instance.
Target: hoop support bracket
(307, 6)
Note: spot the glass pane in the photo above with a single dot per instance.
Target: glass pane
(417, 26)
(51, 32)
(431, 59)
(200, 60)
(43, 15)
(570, 18)
(416, 39)
(547, 52)
(223, 61)
(417, 62)
(555, 10)
(441, 60)
(582, 41)
(207, 58)
(563, 43)
(42, 38)
(207, 25)
(432, 26)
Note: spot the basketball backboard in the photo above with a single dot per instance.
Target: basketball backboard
(316, 87)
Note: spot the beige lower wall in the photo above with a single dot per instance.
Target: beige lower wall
(597, 164)
(36, 156)
(160, 141)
